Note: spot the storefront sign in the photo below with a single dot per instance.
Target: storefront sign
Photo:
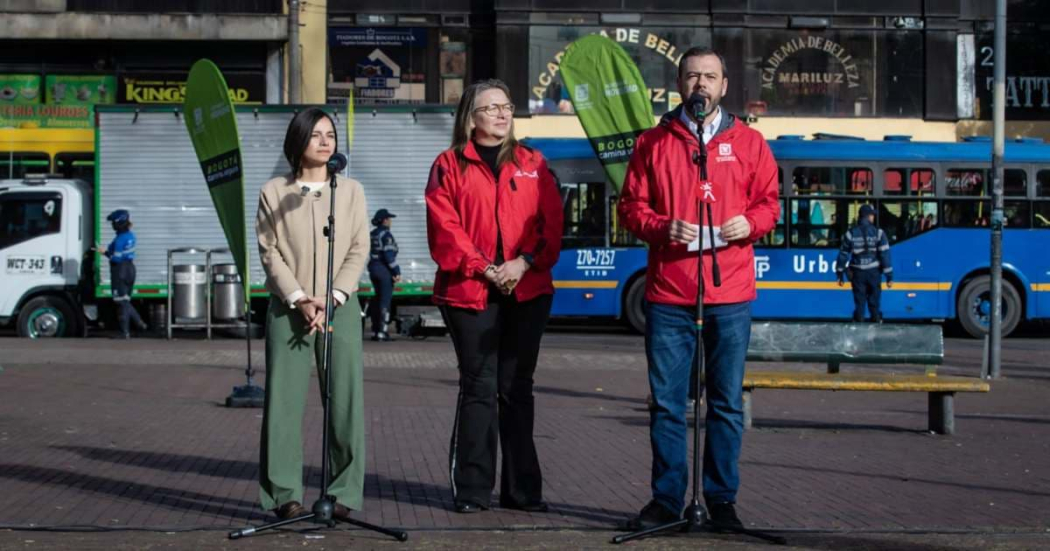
(811, 76)
(45, 116)
(80, 89)
(377, 36)
(1027, 76)
(642, 45)
(19, 89)
(171, 88)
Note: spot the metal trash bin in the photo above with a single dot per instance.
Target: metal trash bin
(227, 299)
(189, 290)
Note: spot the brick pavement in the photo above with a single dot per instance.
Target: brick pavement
(96, 433)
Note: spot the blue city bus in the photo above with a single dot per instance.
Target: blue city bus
(933, 201)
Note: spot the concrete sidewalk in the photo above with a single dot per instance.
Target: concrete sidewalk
(132, 435)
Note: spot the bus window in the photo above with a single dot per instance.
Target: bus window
(1042, 183)
(774, 238)
(76, 165)
(1016, 215)
(921, 181)
(835, 180)
(821, 222)
(1015, 183)
(903, 219)
(17, 165)
(967, 214)
(965, 181)
(24, 216)
(1041, 214)
(584, 206)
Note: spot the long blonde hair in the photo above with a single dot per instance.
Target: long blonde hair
(462, 132)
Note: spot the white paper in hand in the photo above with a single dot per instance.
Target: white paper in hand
(706, 233)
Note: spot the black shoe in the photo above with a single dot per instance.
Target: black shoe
(723, 516)
(468, 507)
(141, 326)
(652, 515)
(121, 336)
(534, 507)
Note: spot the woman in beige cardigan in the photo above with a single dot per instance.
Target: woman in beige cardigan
(293, 209)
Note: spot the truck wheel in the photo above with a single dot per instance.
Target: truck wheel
(46, 316)
(975, 307)
(633, 305)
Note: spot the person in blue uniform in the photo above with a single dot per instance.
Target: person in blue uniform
(384, 273)
(121, 254)
(867, 250)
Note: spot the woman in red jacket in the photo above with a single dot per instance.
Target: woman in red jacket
(494, 225)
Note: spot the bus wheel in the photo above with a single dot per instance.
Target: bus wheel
(975, 307)
(46, 316)
(634, 307)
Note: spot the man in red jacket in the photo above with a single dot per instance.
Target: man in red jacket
(659, 205)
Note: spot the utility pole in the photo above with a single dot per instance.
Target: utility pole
(295, 55)
(998, 148)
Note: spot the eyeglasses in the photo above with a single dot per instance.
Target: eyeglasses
(495, 109)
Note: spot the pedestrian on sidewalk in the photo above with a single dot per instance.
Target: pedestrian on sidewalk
(293, 252)
(494, 223)
(121, 255)
(659, 205)
(383, 271)
(865, 258)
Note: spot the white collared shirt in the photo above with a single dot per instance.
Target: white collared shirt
(709, 129)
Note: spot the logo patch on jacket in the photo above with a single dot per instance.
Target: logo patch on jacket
(520, 174)
(725, 153)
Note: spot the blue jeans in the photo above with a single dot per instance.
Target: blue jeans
(670, 346)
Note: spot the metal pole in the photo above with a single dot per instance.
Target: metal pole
(295, 55)
(998, 131)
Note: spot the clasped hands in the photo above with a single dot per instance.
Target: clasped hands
(312, 309)
(507, 275)
(733, 229)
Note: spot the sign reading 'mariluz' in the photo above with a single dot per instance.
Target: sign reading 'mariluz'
(779, 71)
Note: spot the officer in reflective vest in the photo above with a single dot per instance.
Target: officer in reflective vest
(867, 250)
(121, 254)
(383, 271)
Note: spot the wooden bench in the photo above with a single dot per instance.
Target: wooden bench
(870, 343)
(941, 390)
(839, 343)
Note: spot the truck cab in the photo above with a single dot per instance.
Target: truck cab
(45, 235)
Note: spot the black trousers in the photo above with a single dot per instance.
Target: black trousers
(383, 285)
(497, 351)
(122, 275)
(867, 289)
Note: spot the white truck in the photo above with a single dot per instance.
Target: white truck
(53, 285)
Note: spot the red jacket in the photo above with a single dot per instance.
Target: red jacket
(660, 186)
(463, 210)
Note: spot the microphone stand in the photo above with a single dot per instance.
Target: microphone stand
(321, 512)
(695, 517)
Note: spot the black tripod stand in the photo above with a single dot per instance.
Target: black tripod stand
(695, 517)
(324, 507)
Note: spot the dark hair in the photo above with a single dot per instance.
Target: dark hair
(701, 51)
(297, 138)
(462, 131)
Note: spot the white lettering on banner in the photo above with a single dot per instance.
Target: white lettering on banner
(819, 266)
(761, 266)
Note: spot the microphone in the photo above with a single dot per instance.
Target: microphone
(697, 106)
(336, 163)
(305, 190)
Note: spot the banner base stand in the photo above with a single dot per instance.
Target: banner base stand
(247, 396)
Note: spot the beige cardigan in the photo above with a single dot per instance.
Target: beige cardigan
(292, 244)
